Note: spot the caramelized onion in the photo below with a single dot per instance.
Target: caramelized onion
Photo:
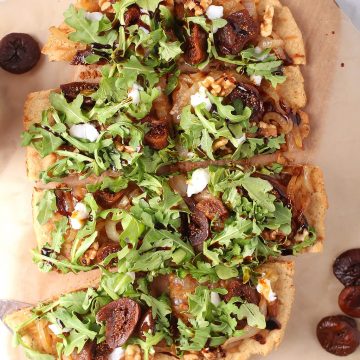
(250, 6)
(111, 231)
(178, 184)
(281, 123)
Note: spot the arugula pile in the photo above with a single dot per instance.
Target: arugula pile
(150, 241)
(199, 130)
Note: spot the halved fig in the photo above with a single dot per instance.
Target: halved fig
(73, 89)
(349, 301)
(146, 325)
(132, 15)
(64, 202)
(159, 286)
(121, 317)
(105, 250)
(86, 353)
(19, 53)
(198, 229)
(240, 30)
(93, 351)
(235, 287)
(212, 208)
(250, 97)
(196, 45)
(101, 351)
(157, 136)
(347, 267)
(338, 335)
(107, 199)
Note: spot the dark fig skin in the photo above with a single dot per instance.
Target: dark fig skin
(349, 301)
(347, 267)
(19, 53)
(338, 335)
(121, 318)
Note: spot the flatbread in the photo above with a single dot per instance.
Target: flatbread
(281, 272)
(35, 104)
(284, 26)
(285, 291)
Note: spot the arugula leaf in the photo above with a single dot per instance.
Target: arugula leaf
(87, 31)
(258, 189)
(169, 50)
(46, 207)
(253, 315)
(72, 111)
(58, 235)
(150, 5)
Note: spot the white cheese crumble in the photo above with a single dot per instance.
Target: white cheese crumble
(256, 79)
(214, 12)
(198, 182)
(201, 98)
(117, 354)
(78, 216)
(84, 131)
(215, 298)
(57, 330)
(134, 93)
(264, 288)
(93, 16)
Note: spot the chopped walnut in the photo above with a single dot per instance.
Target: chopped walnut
(198, 6)
(223, 86)
(124, 148)
(273, 235)
(219, 143)
(132, 352)
(106, 6)
(267, 130)
(90, 254)
(266, 26)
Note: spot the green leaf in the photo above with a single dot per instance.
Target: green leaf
(253, 315)
(206, 144)
(58, 234)
(172, 83)
(73, 302)
(169, 51)
(150, 5)
(258, 189)
(225, 272)
(73, 322)
(72, 111)
(46, 207)
(87, 31)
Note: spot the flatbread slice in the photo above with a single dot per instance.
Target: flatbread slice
(36, 336)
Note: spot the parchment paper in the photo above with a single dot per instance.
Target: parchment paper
(334, 145)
